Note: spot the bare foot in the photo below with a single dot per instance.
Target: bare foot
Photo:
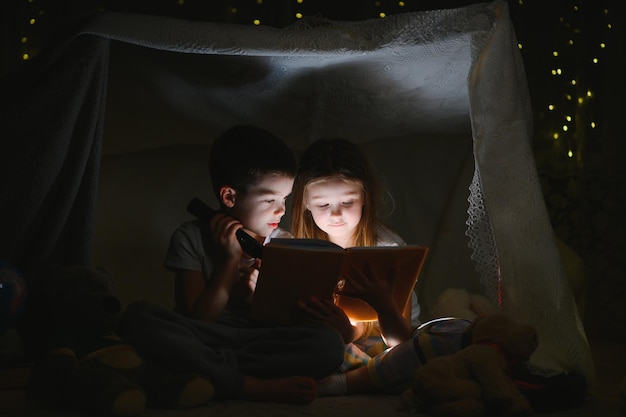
(292, 390)
(358, 381)
(354, 381)
(332, 385)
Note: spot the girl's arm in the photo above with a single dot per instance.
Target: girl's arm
(378, 293)
(327, 313)
(394, 328)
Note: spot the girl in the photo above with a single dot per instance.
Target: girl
(336, 197)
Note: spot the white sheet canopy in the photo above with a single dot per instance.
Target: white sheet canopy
(438, 100)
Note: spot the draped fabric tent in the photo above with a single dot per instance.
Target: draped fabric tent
(101, 134)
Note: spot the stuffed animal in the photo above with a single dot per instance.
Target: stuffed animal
(476, 381)
(88, 367)
(458, 302)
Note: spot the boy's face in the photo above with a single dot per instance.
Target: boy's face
(263, 205)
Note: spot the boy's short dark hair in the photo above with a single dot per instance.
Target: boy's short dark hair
(243, 154)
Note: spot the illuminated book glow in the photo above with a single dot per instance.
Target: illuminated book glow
(296, 269)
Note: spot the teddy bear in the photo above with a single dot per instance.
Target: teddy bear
(87, 367)
(476, 381)
(458, 302)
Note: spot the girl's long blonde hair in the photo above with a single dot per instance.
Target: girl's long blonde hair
(335, 158)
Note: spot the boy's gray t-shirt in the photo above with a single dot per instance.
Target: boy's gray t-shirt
(187, 251)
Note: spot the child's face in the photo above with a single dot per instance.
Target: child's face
(336, 206)
(263, 205)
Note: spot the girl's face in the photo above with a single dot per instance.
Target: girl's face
(336, 206)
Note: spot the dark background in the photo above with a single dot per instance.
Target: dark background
(573, 53)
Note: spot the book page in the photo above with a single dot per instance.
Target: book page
(294, 270)
(305, 243)
(399, 264)
(290, 274)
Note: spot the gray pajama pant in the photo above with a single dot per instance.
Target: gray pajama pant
(226, 354)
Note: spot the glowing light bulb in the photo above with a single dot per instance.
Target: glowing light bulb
(256, 22)
(298, 15)
(551, 107)
(555, 53)
(565, 128)
(555, 135)
(570, 153)
(382, 15)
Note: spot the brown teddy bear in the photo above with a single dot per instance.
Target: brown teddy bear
(88, 367)
(476, 381)
(459, 303)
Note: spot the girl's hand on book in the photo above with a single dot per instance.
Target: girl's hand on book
(327, 313)
(366, 285)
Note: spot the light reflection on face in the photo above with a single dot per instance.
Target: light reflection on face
(336, 205)
(262, 206)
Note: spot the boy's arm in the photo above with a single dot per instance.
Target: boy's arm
(205, 301)
(189, 284)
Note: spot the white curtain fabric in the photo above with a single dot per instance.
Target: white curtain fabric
(437, 99)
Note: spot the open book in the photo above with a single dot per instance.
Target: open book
(296, 269)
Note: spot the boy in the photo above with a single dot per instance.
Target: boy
(252, 173)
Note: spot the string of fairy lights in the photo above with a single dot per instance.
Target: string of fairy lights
(29, 25)
(572, 56)
(567, 112)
